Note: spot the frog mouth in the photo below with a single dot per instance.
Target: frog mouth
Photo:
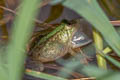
(80, 39)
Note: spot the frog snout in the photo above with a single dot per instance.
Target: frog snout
(80, 39)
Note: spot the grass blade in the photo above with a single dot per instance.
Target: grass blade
(43, 75)
(99, 45)
(20, 33)
(91, 11)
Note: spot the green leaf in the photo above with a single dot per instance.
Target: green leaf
(91, 11)
(3, 74)
(43, 75)
(101, 74)
(20, 33)
(103, 54)
(99, 45)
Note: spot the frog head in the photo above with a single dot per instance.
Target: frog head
(79, 38)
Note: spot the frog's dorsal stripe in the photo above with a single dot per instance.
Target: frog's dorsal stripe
(58, 28)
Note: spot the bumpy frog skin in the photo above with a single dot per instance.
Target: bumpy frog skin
(56, 46)
(60, 44)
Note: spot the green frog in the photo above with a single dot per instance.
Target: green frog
(63, 42)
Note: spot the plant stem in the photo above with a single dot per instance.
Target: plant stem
(99, 45)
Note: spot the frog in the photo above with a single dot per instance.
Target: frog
(60, 44)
